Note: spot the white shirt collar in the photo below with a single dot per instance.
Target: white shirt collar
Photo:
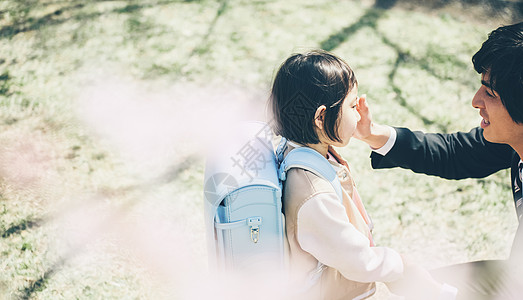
(520, 168)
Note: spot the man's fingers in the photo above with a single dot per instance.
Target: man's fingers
(363, 108)
(362, 104)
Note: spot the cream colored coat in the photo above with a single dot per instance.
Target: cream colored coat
(303, 186)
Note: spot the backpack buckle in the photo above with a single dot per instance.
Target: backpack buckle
(254, 224)
(282, 175)
(281, 149)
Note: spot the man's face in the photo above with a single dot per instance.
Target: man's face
(498, 126)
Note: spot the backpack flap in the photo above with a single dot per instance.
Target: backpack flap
(243, 200)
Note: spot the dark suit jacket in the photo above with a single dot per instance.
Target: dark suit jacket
(454, 156)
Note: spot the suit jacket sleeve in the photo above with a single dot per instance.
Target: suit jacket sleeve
(452, 156)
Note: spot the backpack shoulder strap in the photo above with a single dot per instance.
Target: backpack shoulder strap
(310, 160)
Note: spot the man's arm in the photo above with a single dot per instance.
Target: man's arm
(453, 156)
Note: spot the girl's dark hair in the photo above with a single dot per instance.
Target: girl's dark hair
(303, 83)
(501, 55)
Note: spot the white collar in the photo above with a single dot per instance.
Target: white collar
(294, 144)
(520, 169)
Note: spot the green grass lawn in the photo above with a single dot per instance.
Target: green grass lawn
(108, 107)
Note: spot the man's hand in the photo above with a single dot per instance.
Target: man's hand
(374, 135)
(363, 129)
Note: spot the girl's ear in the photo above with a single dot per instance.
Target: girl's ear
(319, 116)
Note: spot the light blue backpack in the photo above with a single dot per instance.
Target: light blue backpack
(245, 224)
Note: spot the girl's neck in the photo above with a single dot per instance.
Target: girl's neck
(322, 148)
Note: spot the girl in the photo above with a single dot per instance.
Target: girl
(315, 103)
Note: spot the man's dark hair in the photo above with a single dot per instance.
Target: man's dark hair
(501, 56)
(303, 83)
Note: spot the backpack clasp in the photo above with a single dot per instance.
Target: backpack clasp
(254, 223)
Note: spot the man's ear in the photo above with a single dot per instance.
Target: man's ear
(319, 116)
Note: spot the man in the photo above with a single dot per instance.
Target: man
(497, 144)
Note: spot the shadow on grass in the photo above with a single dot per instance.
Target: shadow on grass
(403, 101)
(56, 17)
(175, 171)
(369, 20)
(41, 283)
(203, 47)
(5, 84)
(30, 24)
(75, 11)
(491, 8)
(22, 226)
(403, 58)
(385, 4)
(204, 44)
